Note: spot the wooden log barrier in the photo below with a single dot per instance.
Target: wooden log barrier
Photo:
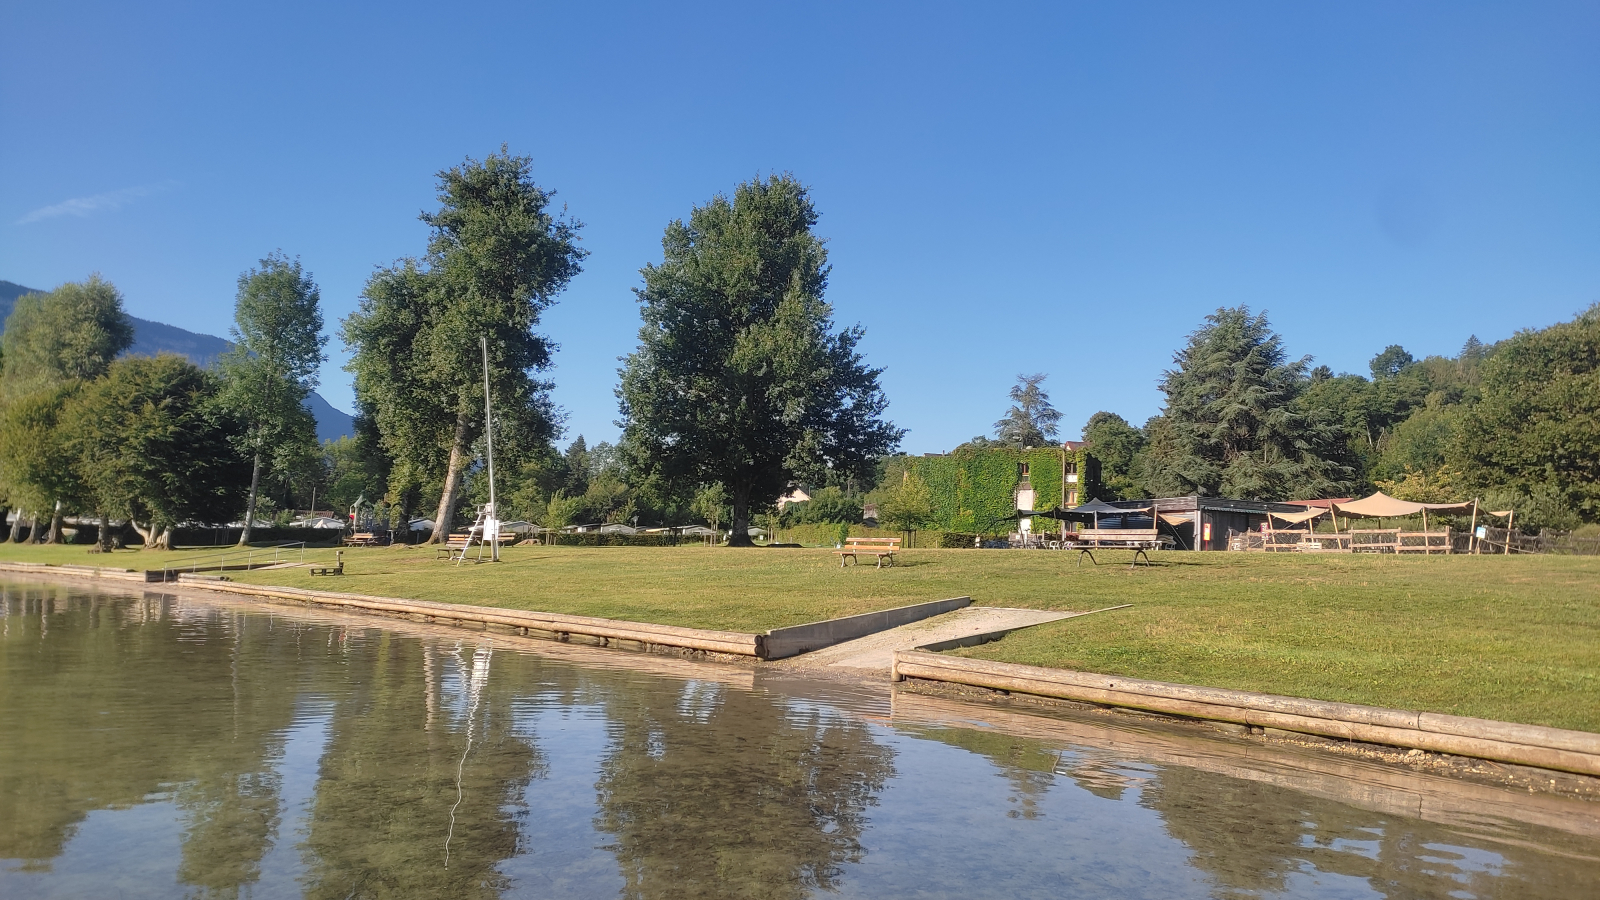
(1527, 745)
(732, 642)
(76, 571)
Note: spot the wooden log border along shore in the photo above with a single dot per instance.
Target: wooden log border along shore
(1509, 742)
(560, 626)
(775, 644)
(96, 572)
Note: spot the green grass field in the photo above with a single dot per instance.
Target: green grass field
(1505, 638)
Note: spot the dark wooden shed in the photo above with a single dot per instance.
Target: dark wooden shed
(1207, 523)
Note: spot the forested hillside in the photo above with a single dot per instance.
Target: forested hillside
(1516, 423)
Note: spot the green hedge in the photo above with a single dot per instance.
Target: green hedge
(961, 540)
(596, 539)
(827, 535)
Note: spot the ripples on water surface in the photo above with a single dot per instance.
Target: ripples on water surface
(155, 746)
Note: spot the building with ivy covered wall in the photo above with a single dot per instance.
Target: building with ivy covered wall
(979, 490)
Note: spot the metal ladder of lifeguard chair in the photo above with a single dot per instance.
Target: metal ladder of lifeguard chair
(475, 534)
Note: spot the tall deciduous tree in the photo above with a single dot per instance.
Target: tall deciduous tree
(740, 378)
(907, 506)
(1231, 426)
(152, 444)
(496, 260)
(1119, 447)
(1031, 421)
(35, 469)
(277, 334)
(70, 334)
(1537, 429)
(54, 341)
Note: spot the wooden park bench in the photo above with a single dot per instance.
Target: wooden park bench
(361, 539)
(883, 548)
(456, 544)
(1139, 540)
(453, 546)
(337, 569)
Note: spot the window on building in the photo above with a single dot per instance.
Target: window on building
(1072, 498)
(1022, 470)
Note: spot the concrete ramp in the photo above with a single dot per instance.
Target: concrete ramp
(971, 625)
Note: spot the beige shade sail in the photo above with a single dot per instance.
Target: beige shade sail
(1383, 506)
(1502, 513)
(1297, 517)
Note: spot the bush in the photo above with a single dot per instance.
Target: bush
(816, 535)
(829, 506)
(964, 540)
(829, 535)
(596, 539)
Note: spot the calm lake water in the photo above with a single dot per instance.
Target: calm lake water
(163, 746)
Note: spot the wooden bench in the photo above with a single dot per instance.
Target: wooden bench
(337, 569)
(361, 539)
(1139, 540)
(456, 544)
(453, 546)
(883, 548)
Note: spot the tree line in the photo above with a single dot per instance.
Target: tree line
(1516, 423)
(740, 384)
(155, 442)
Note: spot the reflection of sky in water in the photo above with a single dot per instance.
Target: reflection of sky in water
(598, 782)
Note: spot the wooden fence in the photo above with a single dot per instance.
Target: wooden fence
(1396, 540)
(1500, 540)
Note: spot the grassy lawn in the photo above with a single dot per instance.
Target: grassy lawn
(1505, 638)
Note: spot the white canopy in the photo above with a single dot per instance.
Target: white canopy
(1295, 518)
(1383, 506)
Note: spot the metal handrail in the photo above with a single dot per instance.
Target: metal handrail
(193, 565)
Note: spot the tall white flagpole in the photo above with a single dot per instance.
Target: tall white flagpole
(491, 521)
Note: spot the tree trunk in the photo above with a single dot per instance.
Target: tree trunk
(740, 531)
(250, 507)
(54, 536)
(16, 528)
(33, 529)
(103, 543)
(159, 540)
(452, 483)
(145, 534)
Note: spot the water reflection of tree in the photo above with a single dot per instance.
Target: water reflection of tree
(1251, 836)
(731, 794)
(1028, 765)
(138, 698)
(387, 789)
(120, 710)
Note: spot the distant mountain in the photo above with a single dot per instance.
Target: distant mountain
(150, 338)
(332, 423)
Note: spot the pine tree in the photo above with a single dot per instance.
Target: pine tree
(1231, 426)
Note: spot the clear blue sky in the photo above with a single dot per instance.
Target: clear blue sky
(1065, 188)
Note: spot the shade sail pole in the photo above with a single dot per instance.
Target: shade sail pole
(1474, 526)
